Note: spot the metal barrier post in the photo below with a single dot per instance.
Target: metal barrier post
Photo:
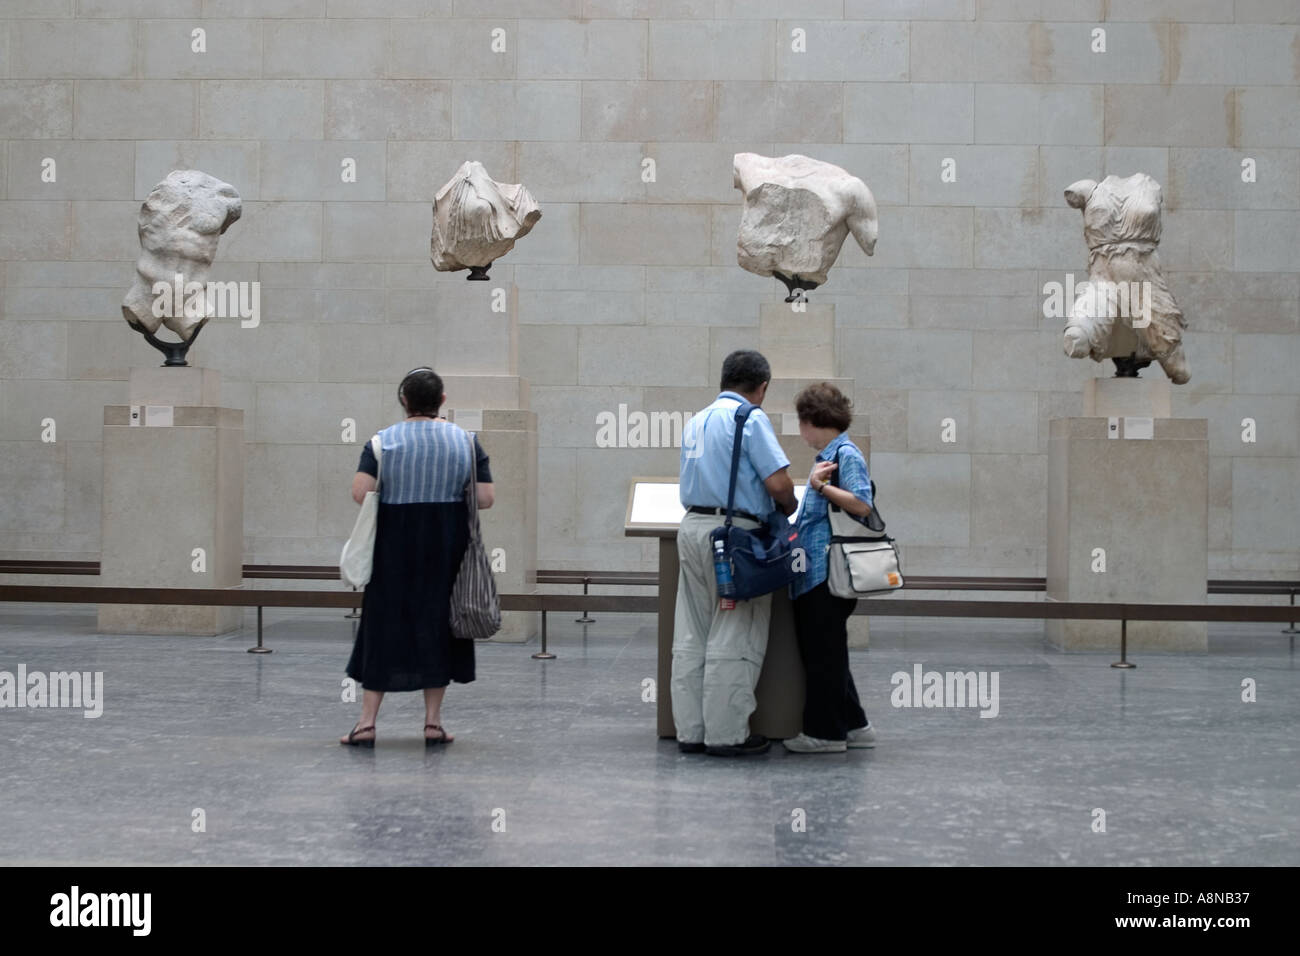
(543, 654)
(1292, 628)
(586, 618)
(354, 613)
(1123, 661)
(259, 649)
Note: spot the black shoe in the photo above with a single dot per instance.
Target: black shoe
(353, 741)
(756, 744)
(695, 748)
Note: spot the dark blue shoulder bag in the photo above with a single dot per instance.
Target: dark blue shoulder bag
(762, 560)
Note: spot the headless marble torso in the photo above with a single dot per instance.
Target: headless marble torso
(1123, 212)
(1122, 227)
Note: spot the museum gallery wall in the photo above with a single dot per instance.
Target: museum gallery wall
(621, 178)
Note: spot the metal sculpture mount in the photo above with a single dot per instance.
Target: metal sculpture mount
(180, 224)
(797, 212)
(476, 221)
(1125, 311)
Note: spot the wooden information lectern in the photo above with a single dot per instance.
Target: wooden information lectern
(654, 511)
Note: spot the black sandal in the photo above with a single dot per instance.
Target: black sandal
(435, 741)
(352, 737)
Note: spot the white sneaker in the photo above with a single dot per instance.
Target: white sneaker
(862, 738)
(803, 744)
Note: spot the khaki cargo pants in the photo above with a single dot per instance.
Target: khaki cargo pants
(717, 655)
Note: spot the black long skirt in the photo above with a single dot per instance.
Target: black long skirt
(404, 640)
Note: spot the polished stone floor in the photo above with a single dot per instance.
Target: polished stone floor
(563, 753)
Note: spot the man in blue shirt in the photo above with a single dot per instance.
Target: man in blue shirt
(718, 652)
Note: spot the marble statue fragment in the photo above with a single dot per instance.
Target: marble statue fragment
(797, 212)
(1125, 311)
(179, 225)
(476, 220)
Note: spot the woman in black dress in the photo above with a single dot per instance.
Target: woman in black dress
(404, 640)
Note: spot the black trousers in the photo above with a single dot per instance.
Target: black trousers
(831, 706)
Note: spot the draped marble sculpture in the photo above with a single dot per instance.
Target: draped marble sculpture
(797, 212)
(1125, 311)
(179, 226)
(476, 220)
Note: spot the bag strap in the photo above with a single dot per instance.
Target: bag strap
(873, 520)
(377, 449)
(742, 413)
(471, 486)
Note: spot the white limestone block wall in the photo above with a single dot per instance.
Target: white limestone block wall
(628, 291)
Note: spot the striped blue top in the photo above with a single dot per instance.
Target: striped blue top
(424, 461)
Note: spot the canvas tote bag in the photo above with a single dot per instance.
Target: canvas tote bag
(358, 558)
(862, 559)
(475, 607)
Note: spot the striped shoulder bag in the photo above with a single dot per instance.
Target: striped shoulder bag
(475, 607)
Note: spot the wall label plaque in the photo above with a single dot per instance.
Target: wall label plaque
(158, 416)
(1139, 427)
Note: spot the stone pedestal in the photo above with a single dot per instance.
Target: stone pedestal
(798, 343)
(475, 327)
(475, 347)
(1145, 503)
(1146, 397)
(801, 347)
(474, 393)
(173, 500)
(159, 385)
(509, 435)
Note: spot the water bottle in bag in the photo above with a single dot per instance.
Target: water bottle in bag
(722, 572)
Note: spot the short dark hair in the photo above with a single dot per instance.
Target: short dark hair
(824, 406)
(422, 389)
(745, 371)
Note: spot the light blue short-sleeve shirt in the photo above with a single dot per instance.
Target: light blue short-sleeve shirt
(706, 457)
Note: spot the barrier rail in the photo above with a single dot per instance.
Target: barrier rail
(329, 572)
(1041, 610)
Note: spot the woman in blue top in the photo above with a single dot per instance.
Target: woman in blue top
(833, 719)
(404, 640)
